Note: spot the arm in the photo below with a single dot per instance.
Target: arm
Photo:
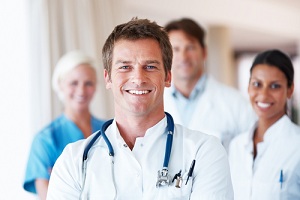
(38, 164)
(41, 186)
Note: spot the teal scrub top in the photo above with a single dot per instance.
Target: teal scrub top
(47, 146)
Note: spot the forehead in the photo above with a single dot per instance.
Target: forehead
(78, 71)
(265, 71)
(141, 49)
(178, 36)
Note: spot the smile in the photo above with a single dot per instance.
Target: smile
(263, 105)
(80, 99)
(139, 92)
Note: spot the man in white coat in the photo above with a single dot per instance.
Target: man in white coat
(195, 99)
(141, 154)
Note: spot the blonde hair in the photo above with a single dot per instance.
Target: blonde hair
(67, 63)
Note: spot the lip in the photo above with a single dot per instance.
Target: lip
(80, 99)
(263, 105)
(138, 92)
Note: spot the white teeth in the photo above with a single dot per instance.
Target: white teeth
(138, 91)
(80, 99)
(263, 105)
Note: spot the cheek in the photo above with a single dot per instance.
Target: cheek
(108, 85)
(251, 94)
(282, 97)
(66, 90)
(91, 91)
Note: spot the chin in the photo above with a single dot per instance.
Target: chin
(81, 108)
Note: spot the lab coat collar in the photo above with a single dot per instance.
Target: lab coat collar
(272, 132)
(249, 141)
(155, 131)
(275, 130)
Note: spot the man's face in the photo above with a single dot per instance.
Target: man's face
(188, 56)
(137, 77)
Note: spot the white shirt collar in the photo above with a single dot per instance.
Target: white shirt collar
(155, 131)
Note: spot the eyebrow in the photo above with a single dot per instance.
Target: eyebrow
(144, 62)
(152, 61)
(122, 62)
(273, 81)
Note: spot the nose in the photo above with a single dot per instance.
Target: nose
(264, 92)
(81, 88)
(138, 75)
(180, 54)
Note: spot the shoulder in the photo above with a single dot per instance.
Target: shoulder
(222, 88)
(294, 127)
(198, 140)
(97, 120)
(97, 123)
(241, 139)
(232, 99)
(168, 92)
(77, 148)
(292, 130)
(52, 129)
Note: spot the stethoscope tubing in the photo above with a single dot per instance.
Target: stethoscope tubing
(169, 141)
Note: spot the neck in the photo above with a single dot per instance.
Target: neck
(77, 115)
(134, 126)
(186, 85)
(82, 120)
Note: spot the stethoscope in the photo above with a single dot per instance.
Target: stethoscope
(163, 177)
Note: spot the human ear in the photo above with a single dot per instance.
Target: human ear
(168, 79)
(107, 79)
(290, 91)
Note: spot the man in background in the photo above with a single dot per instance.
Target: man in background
(195, 99)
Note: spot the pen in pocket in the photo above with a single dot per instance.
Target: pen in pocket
(190, 171)
(281, 178)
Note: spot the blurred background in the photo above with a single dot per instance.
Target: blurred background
(35, 33)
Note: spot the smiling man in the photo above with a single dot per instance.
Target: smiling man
(195, 99)
(141, 154)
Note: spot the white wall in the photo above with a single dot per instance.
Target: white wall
(14, 100)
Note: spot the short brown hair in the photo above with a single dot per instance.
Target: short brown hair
(137, 29)
(190, 27)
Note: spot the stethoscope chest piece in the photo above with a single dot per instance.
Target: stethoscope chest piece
(163, 178)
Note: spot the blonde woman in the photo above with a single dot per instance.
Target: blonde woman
(74, 81)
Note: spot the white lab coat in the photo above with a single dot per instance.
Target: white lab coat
(135, 172)
(259, 180)
(221, 111)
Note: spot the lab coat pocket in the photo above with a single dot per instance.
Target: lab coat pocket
(182, 192)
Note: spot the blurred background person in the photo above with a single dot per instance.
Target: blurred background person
(74, 80)
(195, 99)
(265, 162)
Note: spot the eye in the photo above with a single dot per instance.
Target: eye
(255, 84)
(89, 83)
(190, 47)
(175, 49)
(74, 83)
(150, 67)
(124, 67)
(275, 86)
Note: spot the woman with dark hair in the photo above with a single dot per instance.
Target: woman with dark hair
(265, 162)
